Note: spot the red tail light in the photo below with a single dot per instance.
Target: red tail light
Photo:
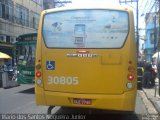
(38, 74)
(130, 77)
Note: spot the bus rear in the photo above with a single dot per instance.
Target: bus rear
(98, 71)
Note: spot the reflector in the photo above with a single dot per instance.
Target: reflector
(38, 66)
(131, 69)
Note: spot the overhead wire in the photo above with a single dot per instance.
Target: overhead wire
(148, 8)
(149, 12)
(145, 6)
(140, 4)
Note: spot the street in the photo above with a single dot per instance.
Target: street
(20, 100)
(93, 49)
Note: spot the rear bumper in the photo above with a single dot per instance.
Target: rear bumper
(123, 102)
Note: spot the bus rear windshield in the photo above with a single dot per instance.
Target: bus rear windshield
(85, 29)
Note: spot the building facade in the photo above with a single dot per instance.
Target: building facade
(150, 44)
(17, 17)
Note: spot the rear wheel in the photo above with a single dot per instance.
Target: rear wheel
(49, 111)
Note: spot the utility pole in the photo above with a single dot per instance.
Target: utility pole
(158, 47)
(155, 33)
(137, 19)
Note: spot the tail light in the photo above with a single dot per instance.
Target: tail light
(38, 66)
(130, 77)
(38, 74)
(131, 69)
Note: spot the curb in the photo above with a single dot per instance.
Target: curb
(154, 100)
(148, 104)
(156, 103)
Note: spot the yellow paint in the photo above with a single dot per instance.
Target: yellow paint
(102, 78)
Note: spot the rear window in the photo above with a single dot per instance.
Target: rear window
(85, 29)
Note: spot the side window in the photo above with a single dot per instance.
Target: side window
(6, 9)
(34, 20)
(22, 15)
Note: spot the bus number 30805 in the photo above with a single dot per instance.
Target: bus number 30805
(62, 80)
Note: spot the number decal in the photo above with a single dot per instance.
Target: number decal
(75, 80)
(62, 80)
(55, 80)
(50, 80)
(69, 80)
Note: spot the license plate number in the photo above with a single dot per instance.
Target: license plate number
(82, 101)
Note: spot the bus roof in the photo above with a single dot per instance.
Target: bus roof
(118, 7)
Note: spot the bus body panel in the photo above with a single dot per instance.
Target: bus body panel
(89, 72)
(98, 75)
(123, 102)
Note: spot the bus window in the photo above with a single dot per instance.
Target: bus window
(110, 29)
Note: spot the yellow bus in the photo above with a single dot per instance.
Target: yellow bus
(86, 57)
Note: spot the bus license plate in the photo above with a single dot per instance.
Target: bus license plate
(82, 101)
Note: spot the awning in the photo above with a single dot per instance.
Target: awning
(4, 56)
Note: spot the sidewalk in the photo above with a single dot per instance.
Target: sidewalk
(153, 95)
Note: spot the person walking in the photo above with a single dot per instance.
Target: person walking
(146, 81)
(153, 74)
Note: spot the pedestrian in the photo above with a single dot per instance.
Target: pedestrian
(146, 81)
(153, 74)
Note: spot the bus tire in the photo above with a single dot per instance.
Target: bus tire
(49, 111)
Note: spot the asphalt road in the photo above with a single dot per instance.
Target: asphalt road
(20, 100)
